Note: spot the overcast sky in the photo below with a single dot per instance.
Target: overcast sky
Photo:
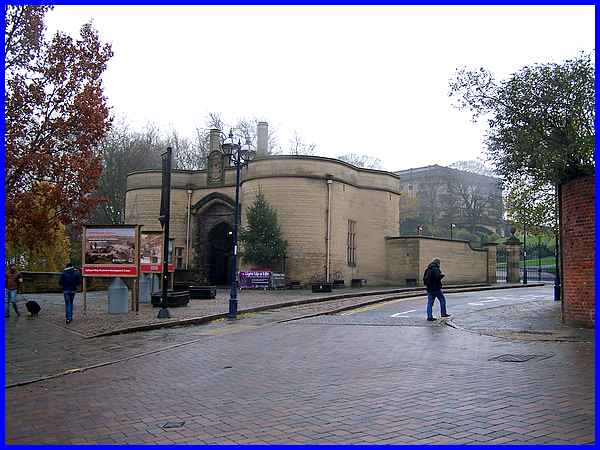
(368, 80)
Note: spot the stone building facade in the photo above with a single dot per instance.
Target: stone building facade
(334, 216)
(340, 221)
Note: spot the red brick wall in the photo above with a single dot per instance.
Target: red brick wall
(578, 251)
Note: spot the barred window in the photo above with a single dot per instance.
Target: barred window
(351, 243)
(179, 257)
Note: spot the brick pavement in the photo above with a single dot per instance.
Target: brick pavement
(97, 321)
(303, 382)
(535, 320)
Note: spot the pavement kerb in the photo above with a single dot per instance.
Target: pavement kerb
(95, 366)
(452, 324)
(409, 292)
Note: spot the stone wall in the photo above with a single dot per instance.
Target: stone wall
(297, 188)
(408, 257)
(47, 282)
(577, 237)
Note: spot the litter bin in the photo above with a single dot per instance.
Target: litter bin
(118, 297)
(145, 288)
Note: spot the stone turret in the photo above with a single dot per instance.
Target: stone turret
(262, 139)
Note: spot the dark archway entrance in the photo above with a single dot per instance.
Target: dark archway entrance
(220, 242)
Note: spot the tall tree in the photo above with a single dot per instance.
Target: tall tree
(55, 117)
(124, 151)
(366, 161)
(531, 203)
(540, 119)
(470, 202)
(298, 146)
(261, 237)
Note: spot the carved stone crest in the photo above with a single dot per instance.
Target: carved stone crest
(216, 167)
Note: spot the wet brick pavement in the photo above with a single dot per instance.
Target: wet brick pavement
(536, 320)
(324, 379)
(40, 347)
(97, 320)
(321, 383)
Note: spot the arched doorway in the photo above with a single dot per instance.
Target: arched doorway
(220, 242)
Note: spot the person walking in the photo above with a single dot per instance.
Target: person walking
(69, 280)
(432, 279)
(11, 284)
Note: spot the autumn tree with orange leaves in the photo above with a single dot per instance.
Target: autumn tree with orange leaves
(55, 117)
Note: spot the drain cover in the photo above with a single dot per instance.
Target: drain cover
(172, 425)
(518, 358)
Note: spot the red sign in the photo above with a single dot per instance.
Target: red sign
(109, 270)
(156, 267)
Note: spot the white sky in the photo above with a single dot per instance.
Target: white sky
(368, 80)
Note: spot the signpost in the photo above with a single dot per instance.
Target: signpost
(255, 279)
(109, 251)
(151, 252)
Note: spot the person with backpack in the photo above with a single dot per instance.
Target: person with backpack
(69, 280)
(432, 279)
(12, 281)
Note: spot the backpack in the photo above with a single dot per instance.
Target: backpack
(33, 307)
(426, 276)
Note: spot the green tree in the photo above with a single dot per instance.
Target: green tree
(261, 237)
(531, 203)
(540, 119)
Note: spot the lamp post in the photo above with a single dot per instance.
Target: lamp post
(524, 254)
(239, 156)
(165, 218)
(419, 230)
(452, 225)
(539, 257)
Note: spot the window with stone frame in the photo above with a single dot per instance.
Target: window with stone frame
(179, 257)
(351, 243)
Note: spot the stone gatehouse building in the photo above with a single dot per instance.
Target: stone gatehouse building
(340, 221)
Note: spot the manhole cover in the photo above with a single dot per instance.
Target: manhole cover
(172, 425)
(518, 358)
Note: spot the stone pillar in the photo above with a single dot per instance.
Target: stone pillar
(491, 262)
(513, 256)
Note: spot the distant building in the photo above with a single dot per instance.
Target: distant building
(437, 196)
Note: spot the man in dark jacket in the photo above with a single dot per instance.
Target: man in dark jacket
(432, 278)
(69, 280)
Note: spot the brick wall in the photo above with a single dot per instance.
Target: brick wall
(577, 236)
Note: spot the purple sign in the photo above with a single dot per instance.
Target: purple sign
(255, 279)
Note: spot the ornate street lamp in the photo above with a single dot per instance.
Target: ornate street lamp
(239, 156)
(452, 225)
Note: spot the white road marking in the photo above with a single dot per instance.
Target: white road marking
(476, 304)
(489, 301)
(402, 313)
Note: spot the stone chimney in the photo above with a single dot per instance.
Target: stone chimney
(215, 140)
(262, 138)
